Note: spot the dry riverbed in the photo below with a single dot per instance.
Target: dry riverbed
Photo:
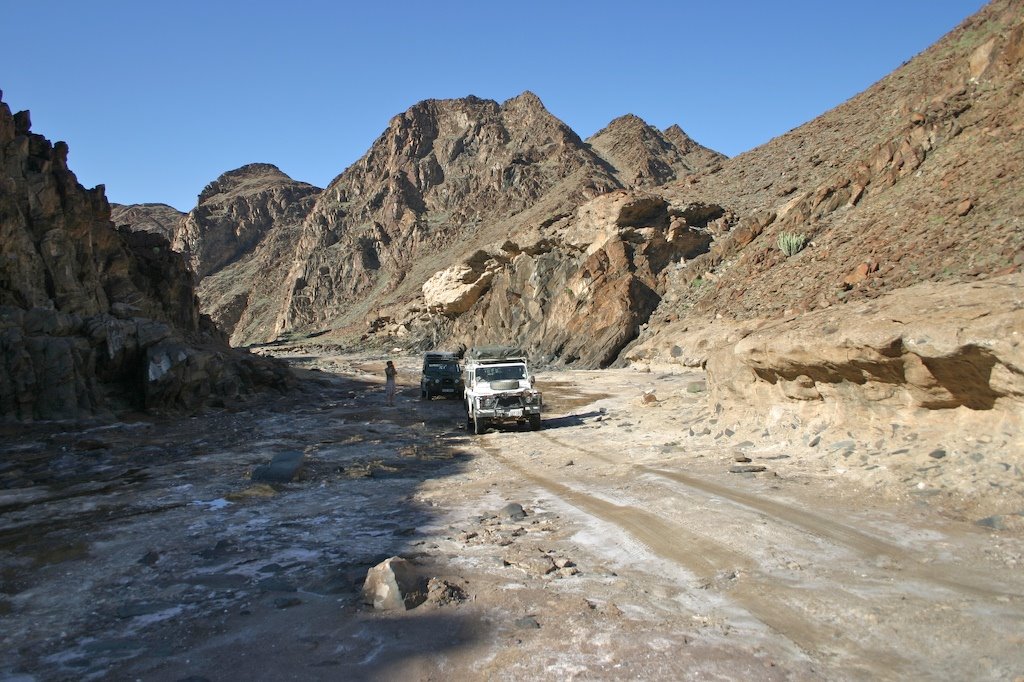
(653, 542)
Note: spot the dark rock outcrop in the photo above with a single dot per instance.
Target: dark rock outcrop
(92, 318)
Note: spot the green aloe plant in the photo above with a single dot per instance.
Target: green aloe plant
(791, 243)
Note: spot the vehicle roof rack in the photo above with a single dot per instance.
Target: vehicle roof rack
(495, 354)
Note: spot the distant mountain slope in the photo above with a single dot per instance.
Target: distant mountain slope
(915, 179)
(159, 219)
(447, 177)
(236, 211)
(644, 157)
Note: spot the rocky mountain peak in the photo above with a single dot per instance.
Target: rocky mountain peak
(235, 211)
(444, 175)
(243, 179)
(157, 218)
(527, 100)
(642, 155)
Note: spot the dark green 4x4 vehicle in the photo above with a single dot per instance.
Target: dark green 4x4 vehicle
(441, 376)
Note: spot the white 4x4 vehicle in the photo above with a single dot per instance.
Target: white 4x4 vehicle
(499, 388)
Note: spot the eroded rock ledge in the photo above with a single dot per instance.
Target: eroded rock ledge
(956, 349)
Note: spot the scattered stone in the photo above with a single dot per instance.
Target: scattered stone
(648, 398)
(964, 207)
(1003, 522)
(150, 558)
(276, 584)
(286, 602)
(539, 565)
(814, 442)
(441, 592)
(527, 623)
(747, 469)
(937, 454)
(743, 459)
(134, 609)
(513, 511)
(393, 585)
(282, 468)
(696, 387)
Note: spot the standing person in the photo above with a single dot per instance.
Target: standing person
(389, 385)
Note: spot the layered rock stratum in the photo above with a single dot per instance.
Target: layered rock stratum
(94, 319)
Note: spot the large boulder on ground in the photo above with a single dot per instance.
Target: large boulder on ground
(393, 584)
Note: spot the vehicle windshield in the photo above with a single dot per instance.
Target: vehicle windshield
(501, 373)
(442, 367)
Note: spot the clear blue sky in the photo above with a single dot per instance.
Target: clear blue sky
(156, 99)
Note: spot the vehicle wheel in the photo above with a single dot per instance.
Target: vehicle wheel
(479, 425)
(469, 421)
(535, 422)
(426, 394)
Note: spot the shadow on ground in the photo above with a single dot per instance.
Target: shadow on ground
(144, 548)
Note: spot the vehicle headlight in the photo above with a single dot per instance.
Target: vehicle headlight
(533, 399)
(488, 402)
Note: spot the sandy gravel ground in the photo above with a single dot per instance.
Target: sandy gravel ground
(144, 549)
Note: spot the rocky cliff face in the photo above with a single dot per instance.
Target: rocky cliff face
(93, 318)
(468, 181)
(578, 293)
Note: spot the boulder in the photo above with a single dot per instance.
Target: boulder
(393, 585)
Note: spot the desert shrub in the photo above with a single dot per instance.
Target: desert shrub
(791, 243)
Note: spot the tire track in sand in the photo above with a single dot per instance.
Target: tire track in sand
(911, 564)
(706, 558)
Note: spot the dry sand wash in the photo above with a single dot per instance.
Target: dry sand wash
(142, 550)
